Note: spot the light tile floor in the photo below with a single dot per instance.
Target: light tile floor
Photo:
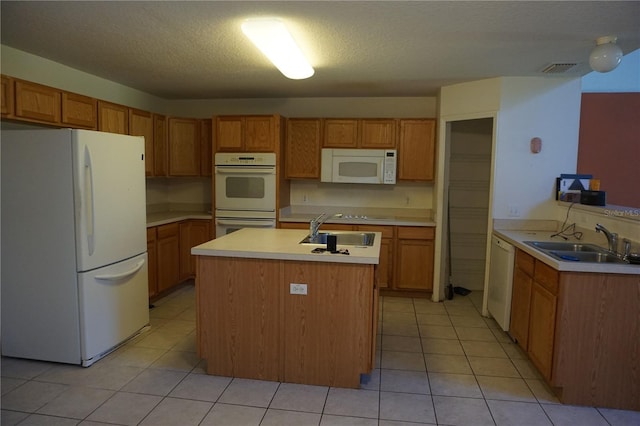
(438, 363)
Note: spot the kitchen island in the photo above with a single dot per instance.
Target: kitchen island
(270, 309)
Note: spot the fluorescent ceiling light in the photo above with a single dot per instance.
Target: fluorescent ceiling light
(271, 36)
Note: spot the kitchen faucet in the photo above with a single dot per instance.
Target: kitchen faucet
(314, 224)
(612, 238)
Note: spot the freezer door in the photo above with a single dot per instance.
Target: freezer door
(114, 306)
(110, 197)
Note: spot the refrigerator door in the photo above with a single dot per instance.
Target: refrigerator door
(114, 306)
(110, 197)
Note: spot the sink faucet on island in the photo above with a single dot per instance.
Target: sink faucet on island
(314, 224)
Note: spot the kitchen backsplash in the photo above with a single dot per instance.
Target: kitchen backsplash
(179, 194)
(401, 195)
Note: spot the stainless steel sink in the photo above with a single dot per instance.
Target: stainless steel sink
(575, 252)
(586, 256)
(564, 246)
(343, 238)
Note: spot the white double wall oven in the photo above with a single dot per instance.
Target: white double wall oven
(245, 191)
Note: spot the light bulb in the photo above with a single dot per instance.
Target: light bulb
(606, 56)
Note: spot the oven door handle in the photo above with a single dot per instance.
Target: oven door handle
(255, 223)
(246, 170)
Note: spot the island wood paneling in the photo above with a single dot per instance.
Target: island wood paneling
(326, 333)
(238, 316)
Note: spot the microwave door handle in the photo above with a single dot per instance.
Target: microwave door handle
(246, 170)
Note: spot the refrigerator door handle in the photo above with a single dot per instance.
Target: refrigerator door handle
(122, 275)
(88, 188)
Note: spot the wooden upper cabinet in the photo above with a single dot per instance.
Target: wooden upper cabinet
(340, 133)
(378, 133)
(160, 146)
(257, 133)
(7, 95)
(416, 150)
(113, 118)
(302, 148)
(79, 110)
(206, 147)
(184, 147)
(141, 124)
(229, 134)
(260, 133)
(35, 102)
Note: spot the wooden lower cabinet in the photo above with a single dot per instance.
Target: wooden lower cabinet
(168, 255)
(152, 259)
(580, 330)
(251, 326)
(192, 233)
(169, 252)
(414, 258)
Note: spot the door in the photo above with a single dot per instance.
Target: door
(246, 188)
(110, 197)
(114, 305)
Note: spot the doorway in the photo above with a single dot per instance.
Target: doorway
(468, 200)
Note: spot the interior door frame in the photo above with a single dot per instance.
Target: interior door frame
(441, 272)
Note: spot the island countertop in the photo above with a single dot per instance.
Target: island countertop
(283, 244)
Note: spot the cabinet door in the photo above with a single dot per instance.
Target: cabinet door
(113, 118)
(152, 254)
(340, 133)
(184, 147)
(186, 267)
(37, 102)
(228, 134)
(160, 146)
(79, 110)
(377, 133)
(414, 265)
(259, 134)
(302, 149)
(416, 150)
(542, 322)
(141, 124)
(520, 304)
(7, 96)
(206, 148)
(168, 256)
(385, 266)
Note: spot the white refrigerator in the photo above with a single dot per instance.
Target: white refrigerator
(74, 257)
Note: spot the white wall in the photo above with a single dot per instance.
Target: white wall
(548, 108)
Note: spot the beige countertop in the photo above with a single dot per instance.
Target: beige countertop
(360, 216)
(283, 244)
(162, 218)
(518, 238)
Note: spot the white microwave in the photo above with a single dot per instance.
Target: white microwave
(375, 166)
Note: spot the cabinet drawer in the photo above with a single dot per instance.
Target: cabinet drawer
(547, 277)
(525, 262)
(168, 230)
(387, 231)
(416, 233)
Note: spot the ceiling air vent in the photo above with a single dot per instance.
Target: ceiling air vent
(558, 68)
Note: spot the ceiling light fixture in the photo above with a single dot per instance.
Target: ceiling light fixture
(606, 56)
(270, 35)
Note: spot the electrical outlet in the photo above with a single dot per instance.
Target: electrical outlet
(514, 210)
(296, 288)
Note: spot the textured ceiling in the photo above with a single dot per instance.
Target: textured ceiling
(196, 50)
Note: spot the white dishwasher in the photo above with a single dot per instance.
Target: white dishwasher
(500, 281)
